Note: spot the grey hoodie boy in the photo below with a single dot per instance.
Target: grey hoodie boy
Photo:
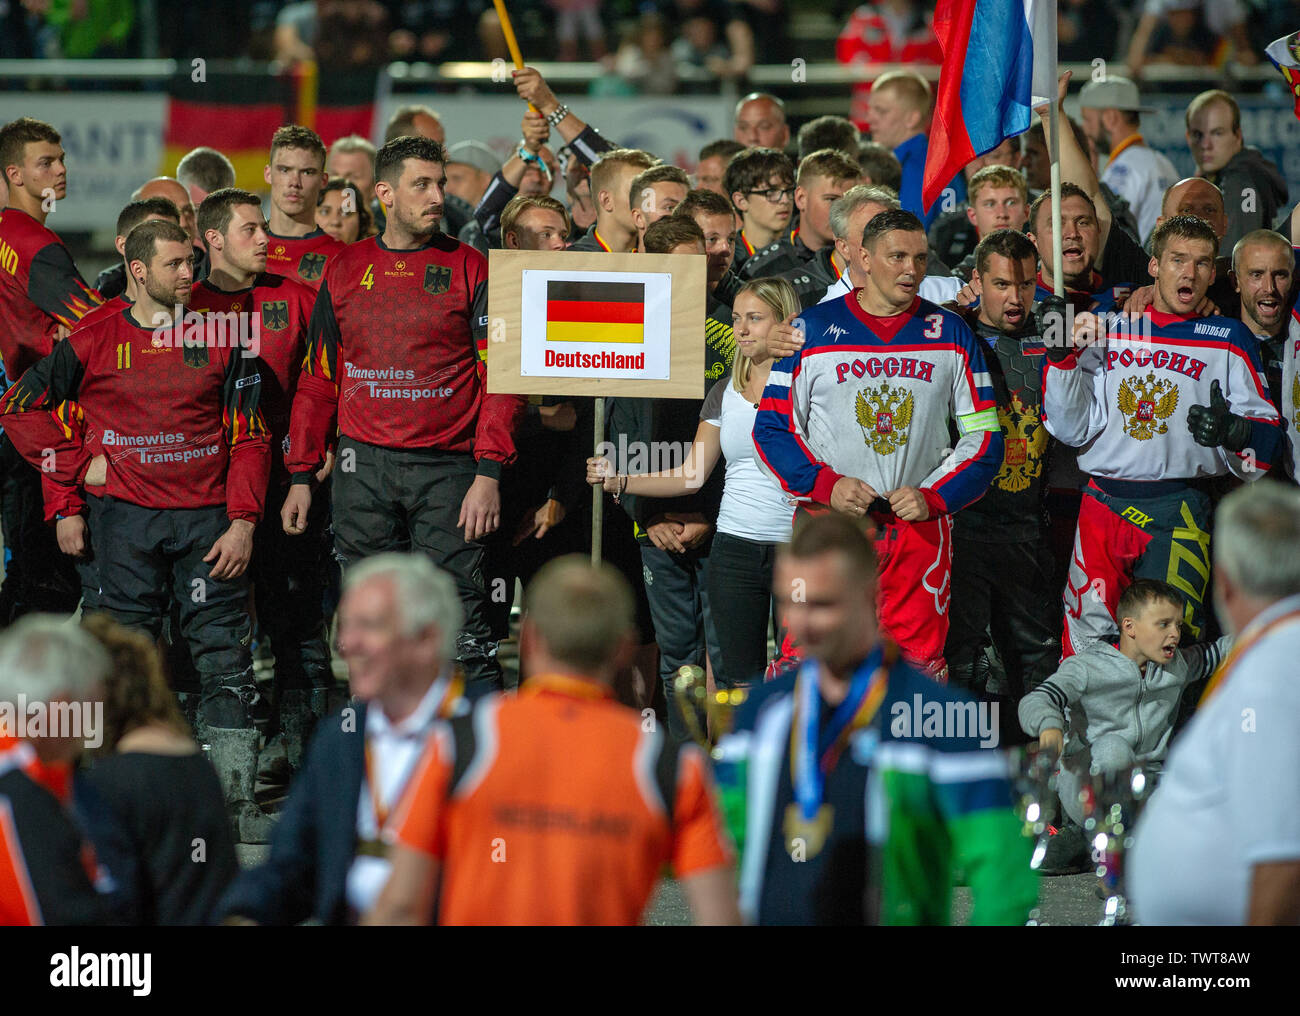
(1119, 715)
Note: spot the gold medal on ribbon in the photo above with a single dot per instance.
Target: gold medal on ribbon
(804, 839)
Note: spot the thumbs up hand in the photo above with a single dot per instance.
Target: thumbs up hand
(1216, 426)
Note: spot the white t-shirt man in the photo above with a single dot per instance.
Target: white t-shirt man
(1140, 175)
(1229, 796)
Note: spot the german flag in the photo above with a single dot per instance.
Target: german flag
(595, 311)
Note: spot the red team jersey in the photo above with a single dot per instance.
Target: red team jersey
(396, 348)
(281, 310)
(302, 258)
(180, 423)
(40, 289)
(867, 38)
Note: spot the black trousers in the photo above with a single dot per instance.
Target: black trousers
(389, 499)
(1004, 590)
(740, 591)
(151, 559)
(38, 576)
(289, 575)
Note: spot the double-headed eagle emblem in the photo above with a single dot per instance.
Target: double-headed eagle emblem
(1025, 443)
(1146, 403)
(884, 414)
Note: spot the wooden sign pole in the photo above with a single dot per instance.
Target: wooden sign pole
(598, 490)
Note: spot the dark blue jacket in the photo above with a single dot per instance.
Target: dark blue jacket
(315, 841)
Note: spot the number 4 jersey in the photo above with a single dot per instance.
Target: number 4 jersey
(877, 398)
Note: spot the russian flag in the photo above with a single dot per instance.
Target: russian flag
(999, 62)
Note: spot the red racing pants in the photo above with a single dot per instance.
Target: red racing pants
(1127, 531)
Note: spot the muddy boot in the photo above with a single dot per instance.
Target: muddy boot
(300, 710)
(233, 753)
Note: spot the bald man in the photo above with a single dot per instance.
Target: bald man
(172, 189)
(760, 122)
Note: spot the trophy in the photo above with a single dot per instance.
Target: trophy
(1112, 802)
(1034, 777)
(708, 717)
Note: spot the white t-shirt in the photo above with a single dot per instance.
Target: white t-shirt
(1229, 798)
(1140, 175)
(935, 288)
(754, 507)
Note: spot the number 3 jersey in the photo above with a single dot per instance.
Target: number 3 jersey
(878, 399)
(1125, 404)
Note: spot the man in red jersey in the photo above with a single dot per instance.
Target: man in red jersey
(270, 314)
(69, 508)
(299, 248)
(396, 350)
(184, 470)
(42, 296)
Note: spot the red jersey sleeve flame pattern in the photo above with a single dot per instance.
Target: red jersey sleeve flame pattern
(180, 424)
(396, 347)
(40, 289)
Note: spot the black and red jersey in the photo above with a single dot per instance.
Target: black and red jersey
(277, 311)
(303, 258)
(177, 416)
(397, 347)
(40, 289)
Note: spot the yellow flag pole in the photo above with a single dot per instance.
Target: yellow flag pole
(511, 42)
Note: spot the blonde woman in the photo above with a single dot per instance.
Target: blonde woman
(755, 515)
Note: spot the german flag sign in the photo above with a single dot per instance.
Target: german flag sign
(595, 311)
(599, 325)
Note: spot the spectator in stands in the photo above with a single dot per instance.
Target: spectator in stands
(828, 132)
(351, 34)
(891, 31)
(644, 60)
(760, 122)
(1111, 112)
(899, 107)
(88, 30)
(419, 121)
(578, 16)
(713, 164)
(880, 167)
(710, 34)
(1254, 190)
(1080, 24)
(650, 791)
(353, 159)
(1194, 32)
(44, 878)
(342, 213)
(755, 515)
(654, 194)
(159, 787)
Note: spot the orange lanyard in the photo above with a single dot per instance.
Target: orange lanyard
(1123, 146)
(1220, 674)
(455, 689)
(749, 247)
(603, 245)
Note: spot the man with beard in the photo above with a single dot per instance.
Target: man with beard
(184, 470)
(1001, 565)
(397, 351)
